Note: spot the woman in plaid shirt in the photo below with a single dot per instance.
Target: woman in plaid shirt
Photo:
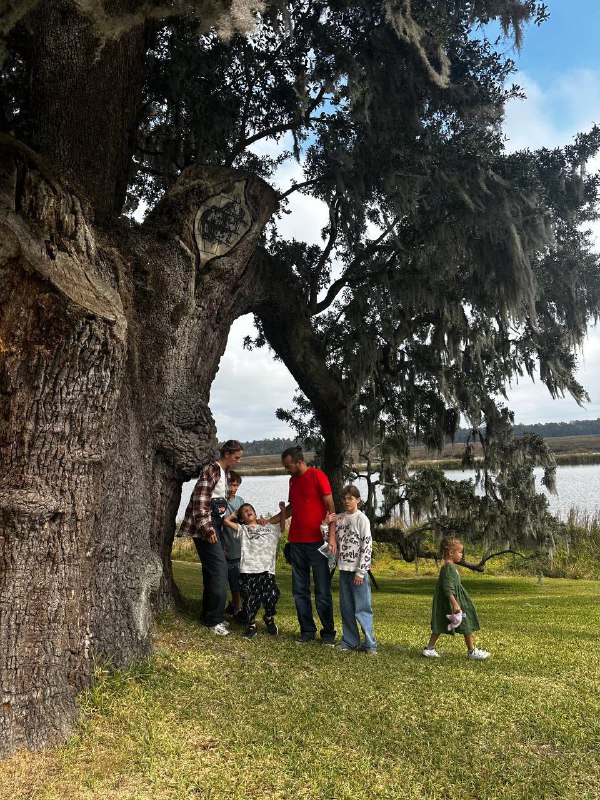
(202, 521)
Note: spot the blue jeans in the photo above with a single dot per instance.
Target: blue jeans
(305, 556)
(355, 606)
(214, 579)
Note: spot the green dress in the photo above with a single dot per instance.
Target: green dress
(449, 583)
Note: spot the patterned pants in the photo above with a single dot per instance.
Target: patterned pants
(257, 588)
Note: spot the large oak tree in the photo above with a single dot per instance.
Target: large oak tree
(111, 331)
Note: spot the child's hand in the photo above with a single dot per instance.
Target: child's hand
(261, 520)
(282, 506)
(331, 517)
(456, 609)
(357, 580)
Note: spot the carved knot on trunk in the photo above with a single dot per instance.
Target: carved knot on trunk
(186, 438)
(213, 210)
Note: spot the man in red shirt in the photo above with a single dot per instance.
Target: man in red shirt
(310, 500)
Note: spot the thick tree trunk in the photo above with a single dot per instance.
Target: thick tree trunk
(85, 97)
(276, 299)
(109, 342)
(62, 334)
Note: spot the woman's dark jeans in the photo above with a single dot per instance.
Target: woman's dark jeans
(214, 578)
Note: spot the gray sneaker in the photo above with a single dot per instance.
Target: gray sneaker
(345, 648)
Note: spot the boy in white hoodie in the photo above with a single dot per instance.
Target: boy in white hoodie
(354, 549)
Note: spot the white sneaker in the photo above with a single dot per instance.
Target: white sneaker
(478, 655)
(219, 629)
(431, 652)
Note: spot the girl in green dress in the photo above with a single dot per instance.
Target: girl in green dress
(452, 598)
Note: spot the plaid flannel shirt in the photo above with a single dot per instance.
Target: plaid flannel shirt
(197, 521)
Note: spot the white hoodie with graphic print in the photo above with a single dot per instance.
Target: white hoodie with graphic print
(355, 545)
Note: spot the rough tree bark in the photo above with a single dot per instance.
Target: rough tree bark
(110, 338)
(85, 98)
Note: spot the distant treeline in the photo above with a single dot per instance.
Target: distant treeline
(581, 427)
(267, 447)
(547, 430)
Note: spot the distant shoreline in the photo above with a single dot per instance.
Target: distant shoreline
(568, 451)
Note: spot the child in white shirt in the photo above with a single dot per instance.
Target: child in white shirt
(354, 550)
(257, 565)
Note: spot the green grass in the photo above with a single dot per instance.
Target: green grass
(216, 718)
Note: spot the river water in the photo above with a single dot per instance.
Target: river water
(578, 486)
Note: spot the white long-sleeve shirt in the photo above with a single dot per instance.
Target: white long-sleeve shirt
(355, 545)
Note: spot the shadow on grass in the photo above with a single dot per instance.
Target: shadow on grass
(189, 609)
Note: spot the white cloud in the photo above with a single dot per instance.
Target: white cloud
(532, 402)
(528, 123)
(551, 117)
(248, 388)
(308, 215)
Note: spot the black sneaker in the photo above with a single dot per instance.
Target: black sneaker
(271, 625)
(304, 638)
(251, 632)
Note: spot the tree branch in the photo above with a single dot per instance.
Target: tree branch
(333, 232)
(342, 281)
(480, 567)
(245, 143)
(294, 187)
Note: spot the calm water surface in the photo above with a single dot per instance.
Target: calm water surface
(578, 486)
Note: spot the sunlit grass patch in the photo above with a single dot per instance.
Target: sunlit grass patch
(212, 717)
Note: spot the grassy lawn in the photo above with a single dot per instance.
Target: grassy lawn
(220, 718)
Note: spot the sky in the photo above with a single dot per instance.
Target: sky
(559, 69)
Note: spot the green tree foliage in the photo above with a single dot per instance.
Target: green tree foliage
(447, 266)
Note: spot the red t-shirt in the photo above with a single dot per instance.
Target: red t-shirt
(308, 509)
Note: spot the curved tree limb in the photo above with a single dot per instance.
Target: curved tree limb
(276, 298)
